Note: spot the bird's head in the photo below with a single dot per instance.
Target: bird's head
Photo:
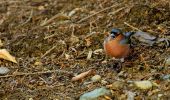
(115, 32)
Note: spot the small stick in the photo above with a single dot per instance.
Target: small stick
(27, 19)
(132, 26)
(36, 73)
(142, 58)
(48, 51)
(151, 74)
(107, 8)
(53, 18)
(50, 36)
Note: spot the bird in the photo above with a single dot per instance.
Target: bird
(117, 44)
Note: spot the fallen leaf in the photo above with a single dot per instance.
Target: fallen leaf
(67, 56)
(88, 42)
(74, 39)
(4, 54)
(98, 51)
(81, 76)
(89, 54)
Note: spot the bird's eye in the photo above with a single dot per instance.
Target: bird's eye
(112, 35)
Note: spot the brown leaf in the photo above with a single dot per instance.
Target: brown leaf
(4, 54)
(88, 42)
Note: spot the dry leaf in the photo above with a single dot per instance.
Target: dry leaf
(67, 56)
(81, 76)
(89, 54)
(4, 54)
(88, 42)
(74, 39)
(98, 51)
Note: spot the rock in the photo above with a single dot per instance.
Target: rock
(166, 77)
(96, 78)
(4, 70)
(95, 94)
(143, 84)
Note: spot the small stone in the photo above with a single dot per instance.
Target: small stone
(143, 84)
(4, 70)
(96, 78)
(93, 95)
(67, 56)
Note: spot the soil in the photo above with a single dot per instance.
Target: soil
(51, 40)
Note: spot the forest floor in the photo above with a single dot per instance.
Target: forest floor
(55, 40)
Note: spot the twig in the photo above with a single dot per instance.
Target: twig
(107, 8)
(142, 59)
(50, 36)
(132, 26)
(151, 74)
(54, 17)
(47, 52)
(27, 19)
(36, 73)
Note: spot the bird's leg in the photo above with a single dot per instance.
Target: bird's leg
(106, 58)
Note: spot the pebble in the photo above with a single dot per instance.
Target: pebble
(96, 78)
(4, 70)
(143, 84)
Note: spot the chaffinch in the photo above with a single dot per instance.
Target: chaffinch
(117, 44)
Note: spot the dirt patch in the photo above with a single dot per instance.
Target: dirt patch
(47, 35)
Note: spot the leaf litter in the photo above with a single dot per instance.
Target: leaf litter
(52, 40)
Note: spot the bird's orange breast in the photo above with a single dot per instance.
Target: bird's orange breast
(113, 48)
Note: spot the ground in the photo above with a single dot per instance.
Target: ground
(51, 40)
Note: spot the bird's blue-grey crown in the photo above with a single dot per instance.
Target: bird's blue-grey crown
(114, 32)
